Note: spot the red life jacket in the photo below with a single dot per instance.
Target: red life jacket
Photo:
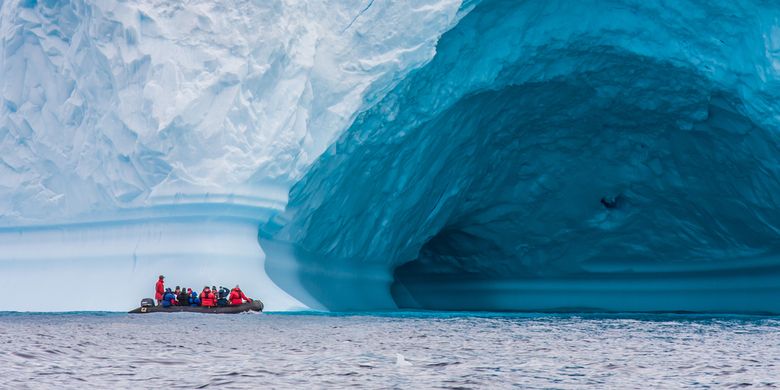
(237, 297)
(159, 290)
(207, 298)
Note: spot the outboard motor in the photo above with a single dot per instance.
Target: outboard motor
(147, 302)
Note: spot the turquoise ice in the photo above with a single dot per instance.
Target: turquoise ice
(618, 155)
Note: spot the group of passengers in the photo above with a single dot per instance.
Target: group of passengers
(208, 297)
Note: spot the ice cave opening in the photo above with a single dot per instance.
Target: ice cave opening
(574, 175)
(587, 191)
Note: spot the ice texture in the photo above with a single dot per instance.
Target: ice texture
(116, 112)
(110, 105)
(439, 154)
(557, 155)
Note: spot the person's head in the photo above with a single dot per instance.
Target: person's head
(189, 290)
(238, 288)
(205, 288)
(213, 287)
(162, 277)
(168, 289)
(178, 288)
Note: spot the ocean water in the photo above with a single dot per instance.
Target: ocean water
(398, 350)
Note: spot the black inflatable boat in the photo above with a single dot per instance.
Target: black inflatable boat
(255, 305)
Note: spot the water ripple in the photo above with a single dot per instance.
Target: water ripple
(435, 351)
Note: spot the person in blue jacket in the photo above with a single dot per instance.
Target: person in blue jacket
(194, 300)
(169, 299)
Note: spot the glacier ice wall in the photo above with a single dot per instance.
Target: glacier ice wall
(608, 155)
(489, 155)
(124, 124)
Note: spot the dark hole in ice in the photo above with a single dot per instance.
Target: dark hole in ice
(612, 202)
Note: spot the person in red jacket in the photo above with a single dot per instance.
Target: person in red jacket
(237, 296)
(207, 298)
(159, 290)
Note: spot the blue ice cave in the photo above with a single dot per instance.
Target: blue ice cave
(556, 155)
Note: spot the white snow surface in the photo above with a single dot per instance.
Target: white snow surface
(122, 124)
(109, 104)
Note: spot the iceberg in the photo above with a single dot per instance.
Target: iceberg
(361, 155)
(617, 156)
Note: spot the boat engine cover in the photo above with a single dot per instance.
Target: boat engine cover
(147, 302)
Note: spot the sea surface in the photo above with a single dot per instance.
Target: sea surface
(393, 350)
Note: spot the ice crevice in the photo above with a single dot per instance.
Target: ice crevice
(616, 156)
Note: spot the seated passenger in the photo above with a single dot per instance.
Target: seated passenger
(222, 299)
(194, 300)
(207, 298)
(237, 296)
(183, 298)
(168, 298)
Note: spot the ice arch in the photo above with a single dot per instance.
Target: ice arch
(600, 155)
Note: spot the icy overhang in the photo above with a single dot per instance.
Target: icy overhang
(597, 155)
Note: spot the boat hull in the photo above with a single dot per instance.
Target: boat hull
(255, 305)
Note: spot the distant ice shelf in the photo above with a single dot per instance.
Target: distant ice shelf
(112, 264)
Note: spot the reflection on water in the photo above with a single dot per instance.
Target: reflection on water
(404, 350)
